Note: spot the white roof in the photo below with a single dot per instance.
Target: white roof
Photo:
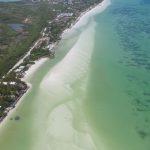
(12, 83)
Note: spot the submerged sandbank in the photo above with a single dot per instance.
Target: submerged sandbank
(62, 122)
(63, 125)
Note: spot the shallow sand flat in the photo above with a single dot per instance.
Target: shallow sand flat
(61, 131)
(61, 90)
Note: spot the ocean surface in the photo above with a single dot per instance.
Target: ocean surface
(9, 0)
(95, 94)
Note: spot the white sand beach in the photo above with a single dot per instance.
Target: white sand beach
(85, 16)
(33, 69)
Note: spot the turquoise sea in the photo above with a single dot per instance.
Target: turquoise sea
(95, 94)
(118, 100)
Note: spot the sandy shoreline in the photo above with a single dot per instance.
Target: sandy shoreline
(83, 17)
(27, 76)
(33, 68)
(80, 21)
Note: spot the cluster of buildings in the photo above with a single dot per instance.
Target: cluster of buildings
(16, 90)
(55, 1)
(70, 2)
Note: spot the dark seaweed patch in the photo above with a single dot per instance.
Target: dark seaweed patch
(142, 134)
(146, 93)
(17, 118)
(145, 82)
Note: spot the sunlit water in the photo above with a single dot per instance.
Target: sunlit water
(95, 95)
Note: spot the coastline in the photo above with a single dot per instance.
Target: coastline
(79, 21)
(28, 74)
(33, 69)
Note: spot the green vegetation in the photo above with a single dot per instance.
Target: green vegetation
(11, 88)
(13, 43)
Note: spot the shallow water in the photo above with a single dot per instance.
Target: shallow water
(95, 95)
